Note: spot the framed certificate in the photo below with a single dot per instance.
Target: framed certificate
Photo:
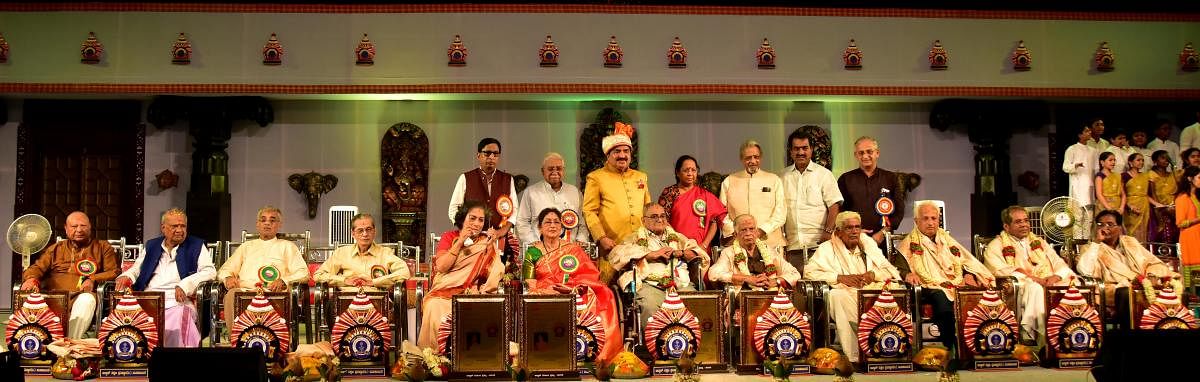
(479, 345)
(546, 334)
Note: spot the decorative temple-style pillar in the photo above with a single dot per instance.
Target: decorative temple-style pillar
(210, 123)
(989, 126)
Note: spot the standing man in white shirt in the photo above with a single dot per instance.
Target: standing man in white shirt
(1162, 141)
(1098, 143)
(755, 192)
(174, 264)
(813, 201)
(1080, 164)
(1122, 150)
(274, 262)
(550, 192)
(1190, 137)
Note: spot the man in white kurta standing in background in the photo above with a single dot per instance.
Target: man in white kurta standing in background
(1097, 143)
(174, 264)
(813, 200)
(848, 262)
(1122, 150)
(1017, 252)
(275, 263)
(756, 192)
(1162, 141)
(1080, 163)
(1190, 137)
(550, 192)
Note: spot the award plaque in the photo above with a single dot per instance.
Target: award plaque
(885, 331)
(755, 307)
(546, 333)
(989, 329)
(130, 333)
(479, 343)
(38, 319)
(706, 306)
(362, 333)
(1074, 328)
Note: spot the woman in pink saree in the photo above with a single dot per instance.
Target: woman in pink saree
(692, 210)
(466, 262)
(557, 265)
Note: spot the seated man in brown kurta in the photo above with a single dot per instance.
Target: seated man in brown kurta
(75, 265)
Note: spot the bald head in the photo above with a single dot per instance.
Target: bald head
(78, 228)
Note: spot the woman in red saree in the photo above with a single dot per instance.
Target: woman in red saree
(692, 210)
(557, 265)
(466, 262)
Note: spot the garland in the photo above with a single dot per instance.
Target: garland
(1037, 255)
(740, 258)
(665, 280)
(954, 274)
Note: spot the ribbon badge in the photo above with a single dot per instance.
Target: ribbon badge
(378, 271)
(504, 206)
(268, 274)
(86, 268)
(570, 219)
(700, 208)
(884, 207)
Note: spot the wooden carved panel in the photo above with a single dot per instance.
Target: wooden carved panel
(404, 167)
(100, 196)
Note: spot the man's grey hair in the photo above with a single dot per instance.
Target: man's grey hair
(748, 144)
(924, 205)
(552, 155)
(741, 217)
(839, 222)
(174, 211)
(361, 216)
(269, 208)
(874, 143)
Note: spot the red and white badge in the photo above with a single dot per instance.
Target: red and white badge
(884, 206)
(570, 219)
(504, 206)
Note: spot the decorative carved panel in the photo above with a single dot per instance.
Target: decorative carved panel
(404, 167)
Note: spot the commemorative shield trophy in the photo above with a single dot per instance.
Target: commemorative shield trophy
(362, 338)
(127, 337)
(989, 330)
(671, 334)
(885, 331)
(33, 326)
(1073, 328)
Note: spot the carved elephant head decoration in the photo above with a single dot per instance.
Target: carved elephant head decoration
(312, 185)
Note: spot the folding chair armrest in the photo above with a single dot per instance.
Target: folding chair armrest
(399, 295)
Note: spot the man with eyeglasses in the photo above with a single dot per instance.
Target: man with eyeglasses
(267, 260)
(1121, 261)
(1019, 253)
(551, 192)
(660, 257)
(862, 187)
(849, 261)
(365, 264)
(487, 183)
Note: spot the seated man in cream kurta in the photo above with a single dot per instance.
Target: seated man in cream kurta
(940, 264)
(750, 263)
(1018, 253)
(1121, 261)
(660, 256)
(251, 261)
(849, 261)
(365, 264)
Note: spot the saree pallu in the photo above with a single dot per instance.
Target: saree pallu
(691, 213)
(570, 266)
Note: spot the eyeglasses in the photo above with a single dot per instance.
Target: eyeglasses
(489, 153)
(551, 222)
(1107, 224)
(852, 228)
(360, 231)
(656, 217)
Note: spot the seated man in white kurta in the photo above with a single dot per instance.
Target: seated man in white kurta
(273, 262)
(849, 261)
(940, 264)
(1018, 253)
(660, 256)
(751, 263)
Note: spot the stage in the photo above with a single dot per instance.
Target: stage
(1028, 374)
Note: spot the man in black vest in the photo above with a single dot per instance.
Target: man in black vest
(174, 264)
(487, 184)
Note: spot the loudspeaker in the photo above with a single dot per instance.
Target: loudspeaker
(1147, 355)
(10, 367)
(208, 364)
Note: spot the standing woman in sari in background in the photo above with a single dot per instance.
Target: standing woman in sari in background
(692, 210)
(466, 262)
(1110, 191)
(1137, 195)
(558, 265)
(1163, 182)
(1187, 217)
